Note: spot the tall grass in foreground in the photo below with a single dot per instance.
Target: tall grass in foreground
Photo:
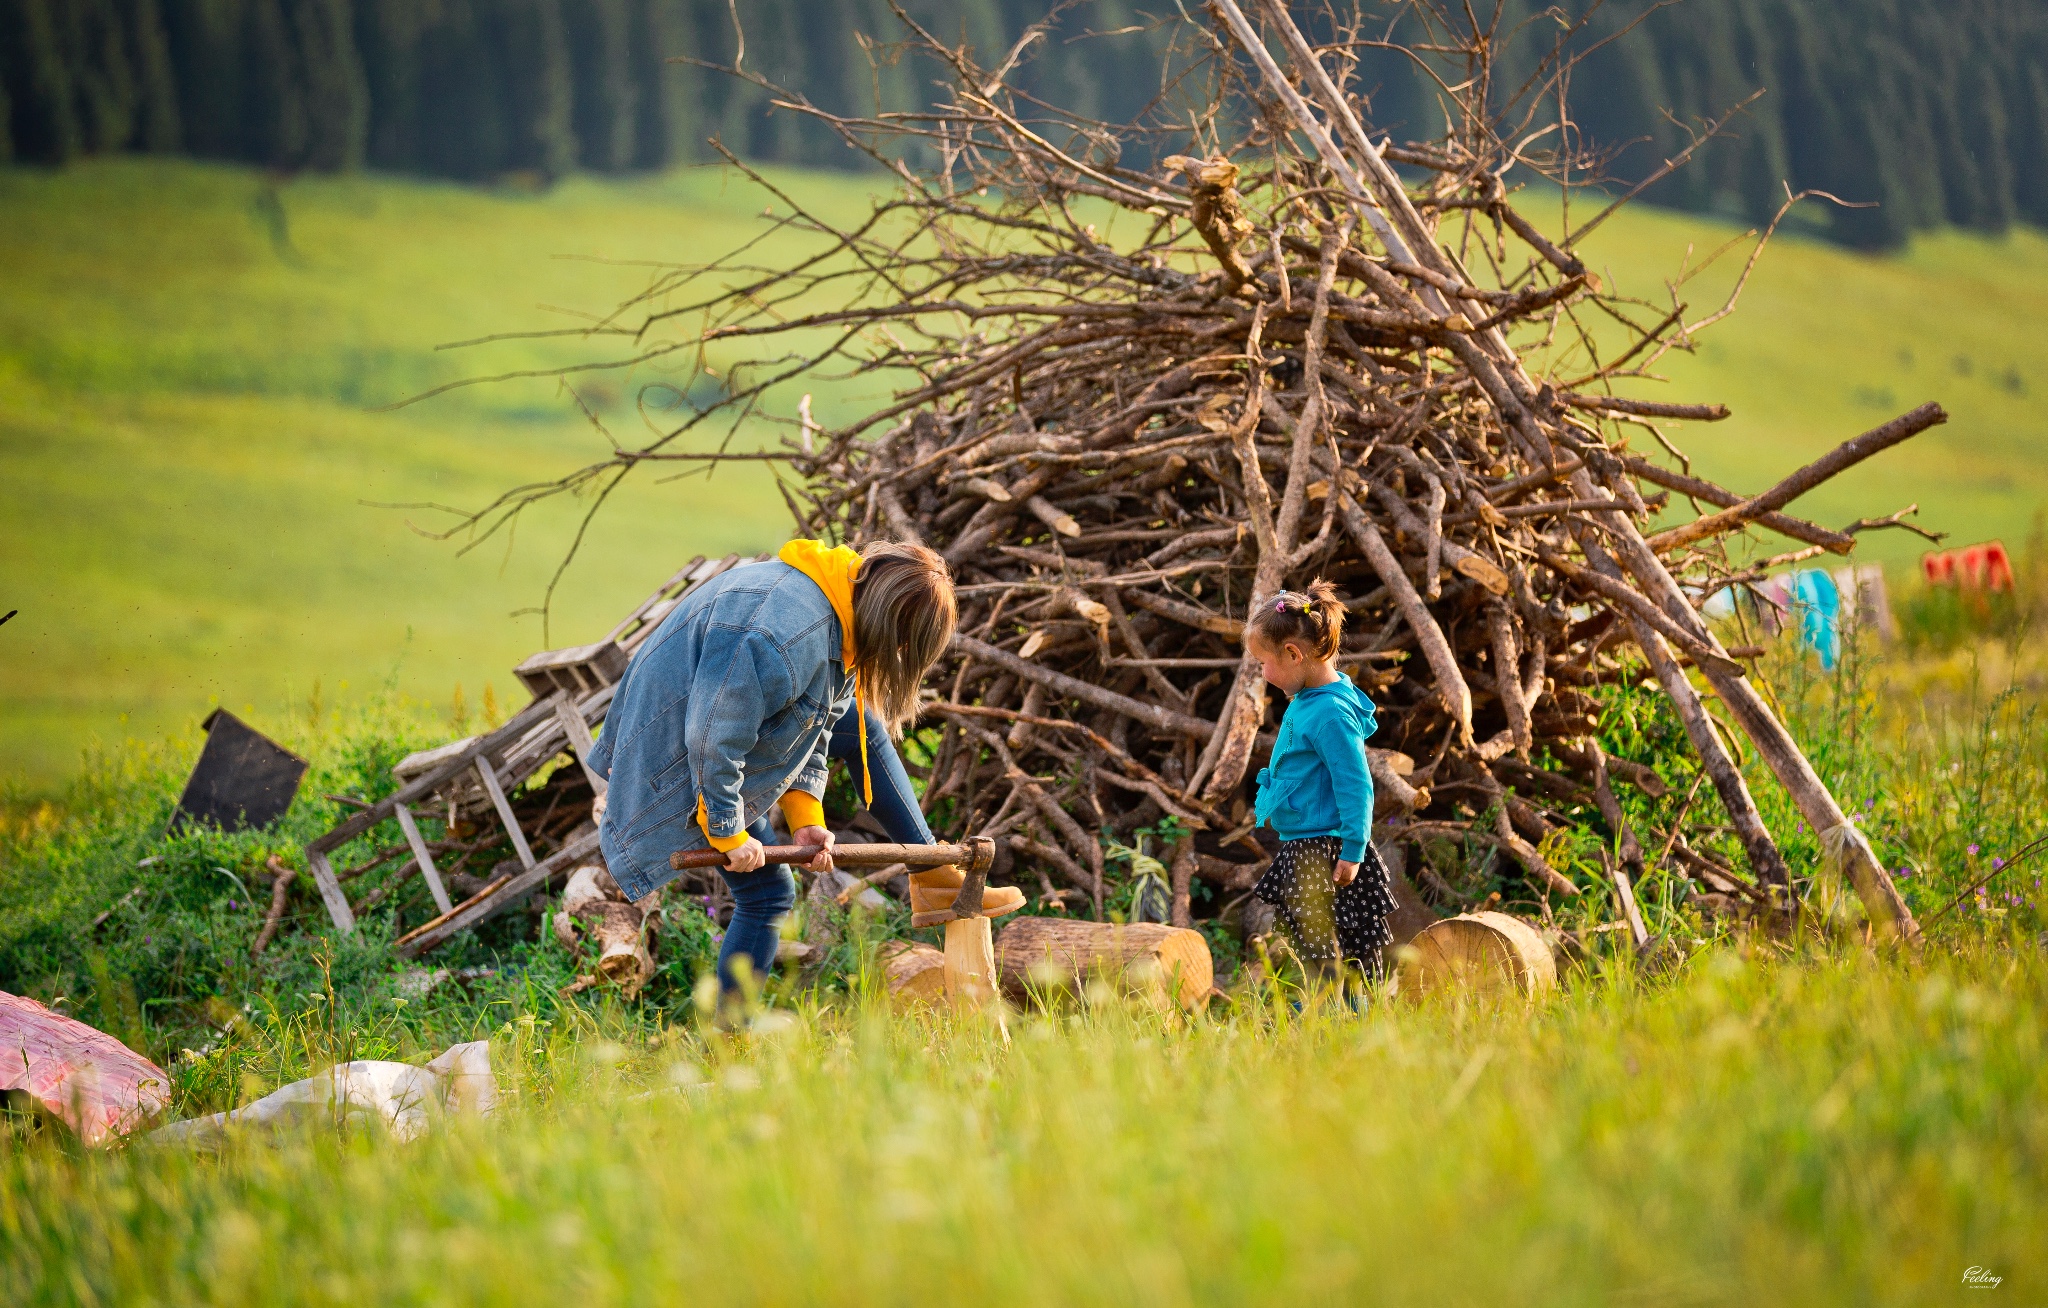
(1831, 1129)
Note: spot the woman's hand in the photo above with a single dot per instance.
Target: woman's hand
(1346, 871)
(816, 836)
(747, 858)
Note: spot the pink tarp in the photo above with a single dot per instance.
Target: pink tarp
(96, 1084)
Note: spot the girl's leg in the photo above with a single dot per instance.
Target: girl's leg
(1303, 881)
(1362, 909)
(760, 899)
(895, 803)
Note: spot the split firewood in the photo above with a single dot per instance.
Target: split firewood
(596, 914)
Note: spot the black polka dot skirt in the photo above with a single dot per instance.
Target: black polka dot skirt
(1323, 920)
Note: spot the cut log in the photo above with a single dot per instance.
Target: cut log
(617, 928)
(915, 973)
(1478, 954)
(90, 1081)
(1167, 964)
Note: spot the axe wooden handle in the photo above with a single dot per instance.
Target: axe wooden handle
(965, 855)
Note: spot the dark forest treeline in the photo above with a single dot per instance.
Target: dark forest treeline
(1939, 112)
(1935, 109)
(476, 89)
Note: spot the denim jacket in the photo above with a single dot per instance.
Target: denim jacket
(732, 699)
(1318, 782)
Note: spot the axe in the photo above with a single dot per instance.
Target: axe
(974, 857)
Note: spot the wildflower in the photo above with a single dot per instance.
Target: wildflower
(1997, 865)
(1973, 851)
(231, 906)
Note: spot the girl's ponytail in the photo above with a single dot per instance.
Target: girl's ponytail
(1312, 619)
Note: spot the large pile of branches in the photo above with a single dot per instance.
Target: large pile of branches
(1141, 399)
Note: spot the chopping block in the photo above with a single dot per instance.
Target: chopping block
(971, 977)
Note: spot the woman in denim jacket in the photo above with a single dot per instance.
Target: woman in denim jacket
(739, 699)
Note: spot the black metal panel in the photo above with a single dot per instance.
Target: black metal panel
(243, 778)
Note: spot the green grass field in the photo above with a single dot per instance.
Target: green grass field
(1744, 1121)
(191, 393)
(1754, 1131)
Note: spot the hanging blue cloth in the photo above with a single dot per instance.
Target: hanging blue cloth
(1819, 605)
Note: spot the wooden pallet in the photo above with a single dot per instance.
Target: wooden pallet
(481, 755)
(641, 622)
(471, 778)
(570, 726)
(579, 669)
(500, 895)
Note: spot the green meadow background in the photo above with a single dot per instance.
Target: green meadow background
(196, 363)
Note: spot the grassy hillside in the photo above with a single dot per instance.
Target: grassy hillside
(1826, 343)
(189, 428)
(192, 365)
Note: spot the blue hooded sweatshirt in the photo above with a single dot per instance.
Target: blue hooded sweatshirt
(1317, 783)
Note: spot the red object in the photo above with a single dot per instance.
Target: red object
(97, 1085)
(1978, 567)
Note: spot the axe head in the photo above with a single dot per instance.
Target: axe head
(973, 881)
(981, 855)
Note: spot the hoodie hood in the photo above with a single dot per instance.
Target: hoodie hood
(833, 568)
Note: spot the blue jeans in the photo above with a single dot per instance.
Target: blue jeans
(762, 897)
(895, 805)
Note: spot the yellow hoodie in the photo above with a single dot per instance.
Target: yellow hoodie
(833, 568)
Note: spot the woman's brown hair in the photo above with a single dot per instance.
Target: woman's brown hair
(1311, 619)
(903, 619)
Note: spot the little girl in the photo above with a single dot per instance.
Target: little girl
(1316, 793)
